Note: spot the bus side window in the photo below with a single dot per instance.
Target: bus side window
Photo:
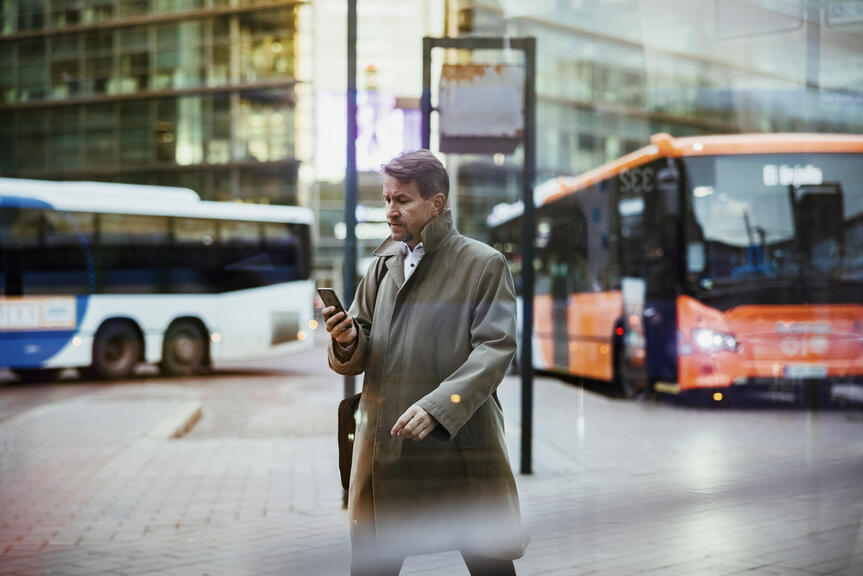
(244, 261)
(194, 262)
(568, 250)
(282, 246)
(67, 259)
(48, 252)
(19, 242)
(132, 254)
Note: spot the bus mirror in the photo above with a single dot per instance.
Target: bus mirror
(695, 257)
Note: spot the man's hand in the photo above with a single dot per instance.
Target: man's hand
(340, 326)
(415, 424)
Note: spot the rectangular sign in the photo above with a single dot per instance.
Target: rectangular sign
(29, 313)
(481, 108)
(805, 371)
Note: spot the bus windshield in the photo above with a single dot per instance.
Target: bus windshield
(779, 228)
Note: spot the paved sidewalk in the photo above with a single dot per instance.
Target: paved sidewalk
(96, 485)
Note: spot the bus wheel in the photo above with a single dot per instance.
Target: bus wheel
(184, 350)
(116, 350)
(37, 374)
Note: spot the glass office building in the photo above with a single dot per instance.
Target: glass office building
(197, 93)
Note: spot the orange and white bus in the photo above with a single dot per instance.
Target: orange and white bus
(702, 263)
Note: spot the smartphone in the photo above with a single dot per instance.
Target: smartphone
(329, 298)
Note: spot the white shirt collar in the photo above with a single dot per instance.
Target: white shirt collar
(418, 251)
(412, 258)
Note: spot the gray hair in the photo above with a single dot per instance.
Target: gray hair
(422, 167)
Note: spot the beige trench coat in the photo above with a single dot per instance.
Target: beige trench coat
(443, 340)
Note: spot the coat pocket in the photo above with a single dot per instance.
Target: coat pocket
(466, 437)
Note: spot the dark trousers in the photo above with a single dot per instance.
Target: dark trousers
(476, 565)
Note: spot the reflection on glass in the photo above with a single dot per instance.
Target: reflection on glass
(265, 125)
(790, 222)
(66, 139)
(266, 44)
(190, 146)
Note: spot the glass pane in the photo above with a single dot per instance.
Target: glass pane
(770, 220)
(66, 12)
(134, 252)
(131, 229)
(65, 79)
(99, 11)
(134, 39)
(69, 229)
(99, 42)
(195, 256)
(65, 46)
(129, 8)
(22, 229)
(135, 145)
(266, 125)
(194, 231)
(100, 115)
(240, 232)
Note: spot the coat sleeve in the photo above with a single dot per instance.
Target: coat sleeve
(493, 345)
(362, 311)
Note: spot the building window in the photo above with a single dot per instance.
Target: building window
(66, 143)
(66, 12)
(267, 44)
(265, 125)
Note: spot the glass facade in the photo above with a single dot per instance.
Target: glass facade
(197, 93)
(611, 74)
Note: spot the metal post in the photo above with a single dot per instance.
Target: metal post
(528, 45)
(351, 175)
(425, 103)
(527, 276)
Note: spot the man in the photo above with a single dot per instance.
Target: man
(433, 328)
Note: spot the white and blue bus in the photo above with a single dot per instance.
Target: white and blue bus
(102, 277)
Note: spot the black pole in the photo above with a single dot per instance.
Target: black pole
(528, 45)
(351, 175)
(425, 103)
(527, 276)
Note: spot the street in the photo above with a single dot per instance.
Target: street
(94, 481)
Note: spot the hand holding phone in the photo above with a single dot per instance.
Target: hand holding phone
(330, 298)
(338, 324)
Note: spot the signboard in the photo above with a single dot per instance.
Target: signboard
(481, 108)
(30, 314)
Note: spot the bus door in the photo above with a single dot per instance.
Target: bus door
(647, 210)
(561, 242)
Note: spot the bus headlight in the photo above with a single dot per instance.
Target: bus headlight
(713, 340)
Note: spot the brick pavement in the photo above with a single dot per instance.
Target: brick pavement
(94, 485)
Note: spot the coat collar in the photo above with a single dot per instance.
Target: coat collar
(434, 234)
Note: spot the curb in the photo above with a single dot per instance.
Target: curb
(179, 423)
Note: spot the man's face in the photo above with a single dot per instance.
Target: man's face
(407, 211)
